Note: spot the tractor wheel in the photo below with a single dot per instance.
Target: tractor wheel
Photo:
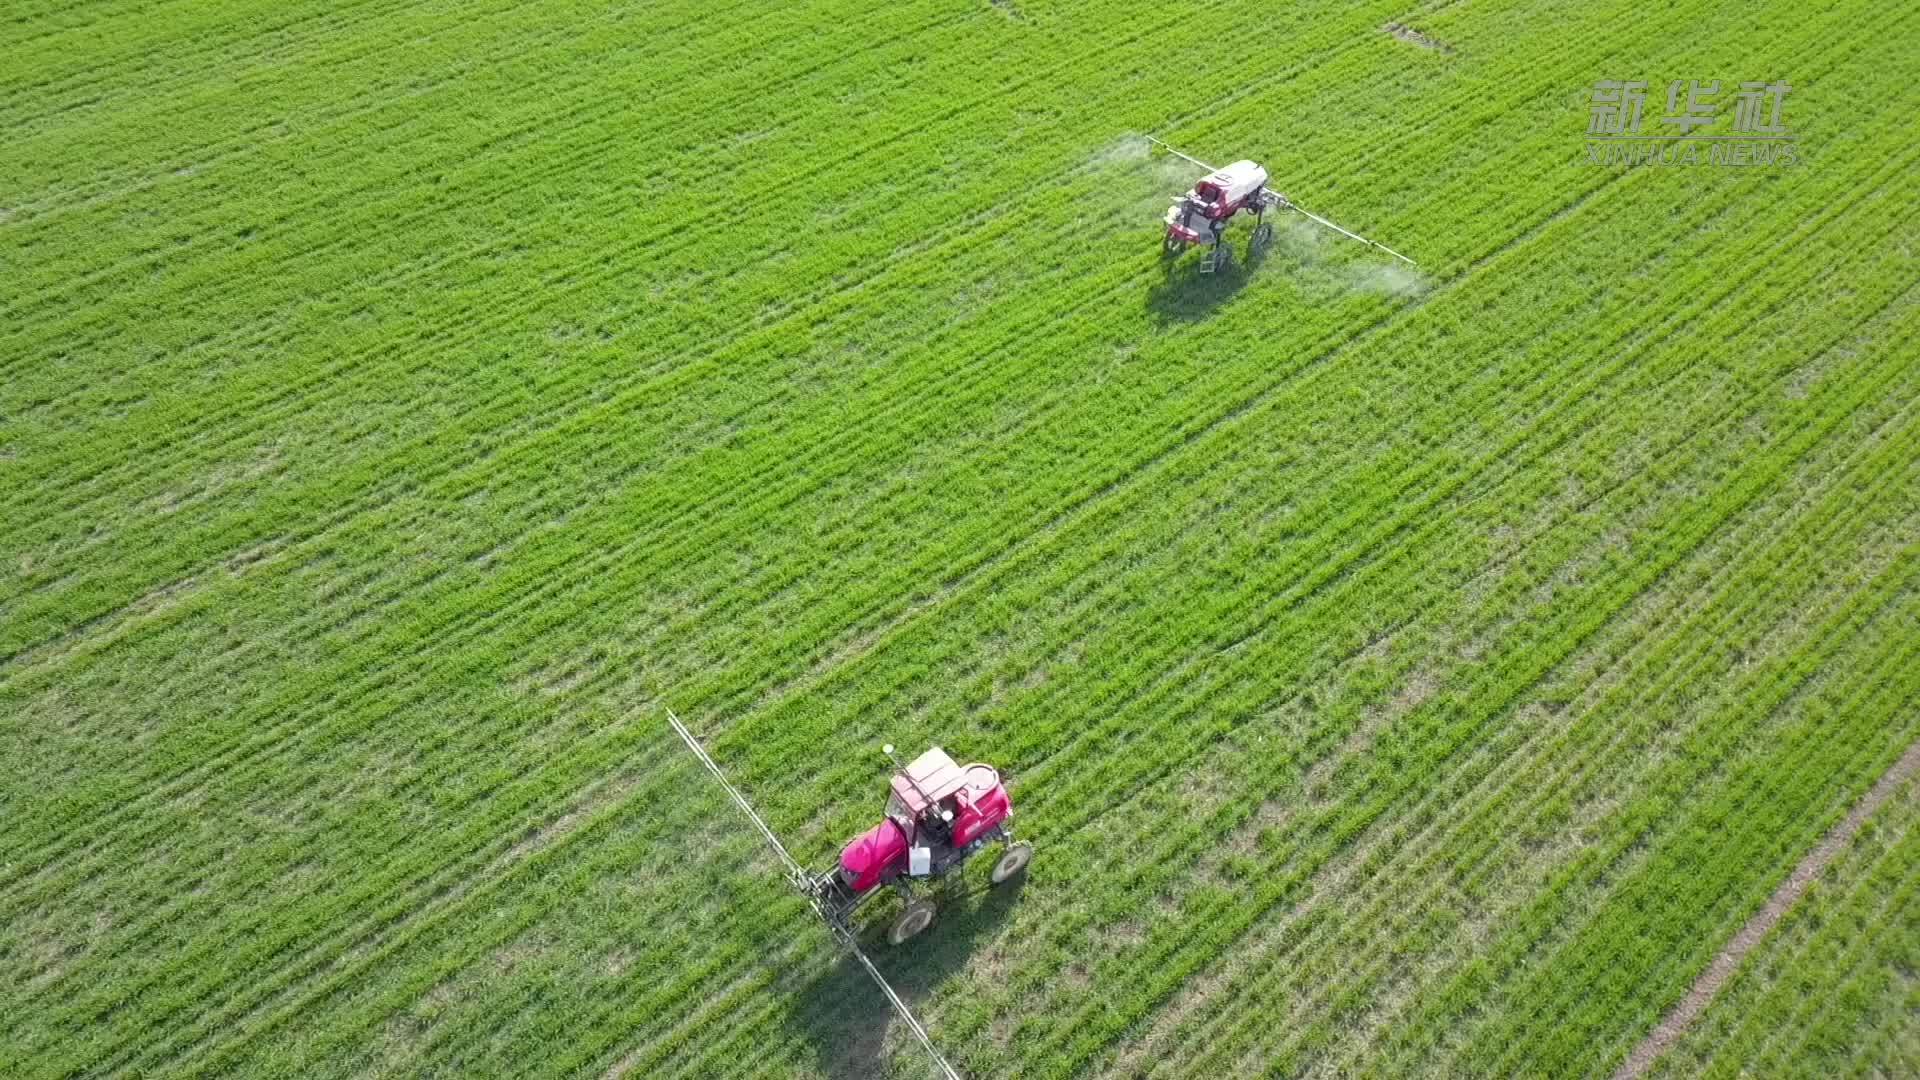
(1172, 245)
(917, 917)
(1012, 863)
(1262, 236)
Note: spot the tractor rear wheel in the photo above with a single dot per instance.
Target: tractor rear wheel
(917, 917)
(1012, 863)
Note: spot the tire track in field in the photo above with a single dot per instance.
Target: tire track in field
(1686, 1012)
(1561, 938)
(260, 421)
(1343, 879)
(1783, 1035)
(1468, 860)
(1627, 858)
(126, 178)
(1476, 859)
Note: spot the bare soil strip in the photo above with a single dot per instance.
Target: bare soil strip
(1683, 1015)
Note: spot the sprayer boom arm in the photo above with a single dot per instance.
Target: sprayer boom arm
(795, 871)
(1288, 204)
(1180, 155)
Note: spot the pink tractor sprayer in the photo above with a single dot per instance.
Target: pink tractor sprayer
(939, 815)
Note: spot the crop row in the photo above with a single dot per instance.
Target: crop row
(562, 596)
(1435, 861)
(513, 403)
(374, 527)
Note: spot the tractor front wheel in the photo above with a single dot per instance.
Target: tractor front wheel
(917, 917)
(1012, 862)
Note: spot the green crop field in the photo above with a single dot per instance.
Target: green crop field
(1399, 672)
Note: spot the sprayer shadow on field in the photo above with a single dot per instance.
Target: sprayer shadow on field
(1186, 294)
(845, 1015)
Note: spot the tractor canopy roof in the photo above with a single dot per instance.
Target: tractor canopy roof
(1235, 181)
(934, 774)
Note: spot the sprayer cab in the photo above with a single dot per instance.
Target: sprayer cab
(937, 813)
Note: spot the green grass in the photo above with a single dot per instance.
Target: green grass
(1399, 674)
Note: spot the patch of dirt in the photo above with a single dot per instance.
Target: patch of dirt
(1414, 37)
(618, 963)
(1707, 986)
(557, 679)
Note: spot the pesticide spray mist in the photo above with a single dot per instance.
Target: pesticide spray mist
(1130, 161)
(1154, 178)
(1308, 244)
